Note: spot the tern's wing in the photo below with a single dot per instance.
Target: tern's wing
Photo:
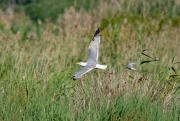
(93, 50)
(81, 72)
(131, 64)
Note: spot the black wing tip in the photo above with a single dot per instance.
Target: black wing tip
(73, 78)
(97, 32)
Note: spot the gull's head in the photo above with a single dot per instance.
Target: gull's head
(81, 63)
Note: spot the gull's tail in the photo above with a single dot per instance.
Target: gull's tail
(101, 66)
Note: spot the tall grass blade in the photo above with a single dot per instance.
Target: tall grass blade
(147, 55)
(173, 69)
(175, 75)
(144, 50)
(173, 58)
(143, 62)
(176, 63)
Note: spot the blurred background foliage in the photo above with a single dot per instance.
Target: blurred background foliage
(45, 9)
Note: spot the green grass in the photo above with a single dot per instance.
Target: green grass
(37, 62)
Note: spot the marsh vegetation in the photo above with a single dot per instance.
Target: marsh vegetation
(37, 60)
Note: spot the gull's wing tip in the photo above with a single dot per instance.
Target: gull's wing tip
(97, 32)
(73, 77)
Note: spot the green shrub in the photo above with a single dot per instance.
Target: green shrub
(47, 10)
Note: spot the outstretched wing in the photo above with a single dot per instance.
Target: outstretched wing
(93, 50)
(131, 64)
(81, 72)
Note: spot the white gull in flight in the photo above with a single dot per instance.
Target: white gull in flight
(92, 62)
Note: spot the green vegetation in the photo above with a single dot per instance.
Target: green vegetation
(37, 60)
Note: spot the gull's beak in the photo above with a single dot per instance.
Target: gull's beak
(76, 62)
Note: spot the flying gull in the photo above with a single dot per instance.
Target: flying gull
(130, 66)
(92, 62)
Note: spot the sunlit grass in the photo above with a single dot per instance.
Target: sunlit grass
(38, 60)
